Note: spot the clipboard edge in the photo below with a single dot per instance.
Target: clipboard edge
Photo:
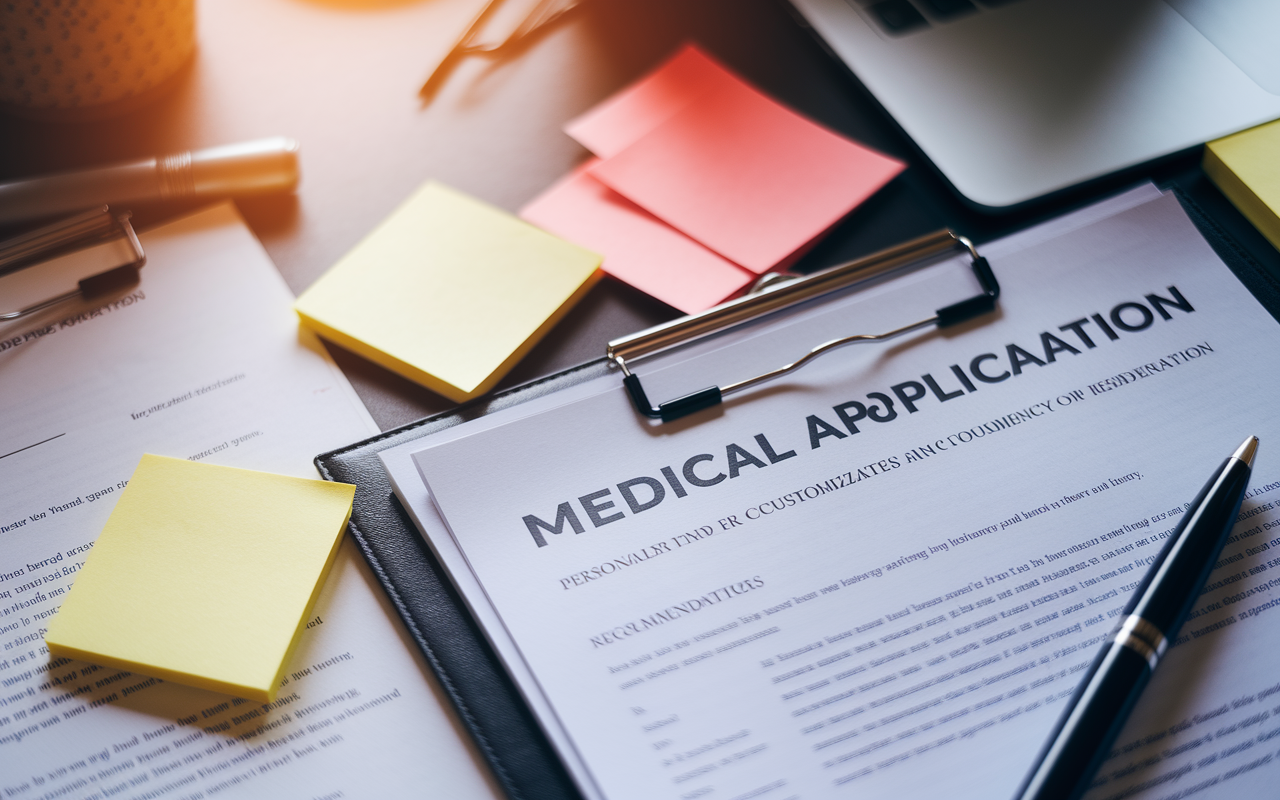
(488, 703)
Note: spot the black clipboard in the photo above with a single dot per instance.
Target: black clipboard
(523, 760)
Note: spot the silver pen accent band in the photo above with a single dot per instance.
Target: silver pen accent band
(1141, 637)
(177, 178)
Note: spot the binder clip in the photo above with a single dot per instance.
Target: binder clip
(89, 255)
(775, 292)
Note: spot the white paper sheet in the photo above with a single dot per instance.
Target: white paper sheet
(412, 492)
(203, 359)
(909, 622)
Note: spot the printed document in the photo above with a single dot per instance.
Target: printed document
(203, 360)
(884, 574)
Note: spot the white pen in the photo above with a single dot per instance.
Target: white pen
(264, 165)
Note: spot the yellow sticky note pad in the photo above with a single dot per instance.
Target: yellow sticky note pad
(204, 575)
(1246, 167)
(448, 292)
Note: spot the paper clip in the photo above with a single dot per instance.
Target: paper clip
(541, 17)
(98, 242)
(774, 292)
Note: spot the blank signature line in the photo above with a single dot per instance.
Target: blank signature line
(28, 447)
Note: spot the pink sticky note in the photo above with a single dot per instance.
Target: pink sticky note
(638, 248)
(629, 114)
(746, 176)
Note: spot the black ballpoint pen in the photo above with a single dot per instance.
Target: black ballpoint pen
(1107, 693)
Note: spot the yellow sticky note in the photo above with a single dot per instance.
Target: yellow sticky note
(204, 575)
(1246, 167)
(448, 292)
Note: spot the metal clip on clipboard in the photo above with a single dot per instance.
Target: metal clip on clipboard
(776, 292)
(99, 244)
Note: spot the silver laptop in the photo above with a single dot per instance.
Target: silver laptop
(1016, 99)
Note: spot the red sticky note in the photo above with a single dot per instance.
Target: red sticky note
(638, 248)
(746, 176)
(625, 117)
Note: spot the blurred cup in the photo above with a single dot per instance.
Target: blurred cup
(88, 59)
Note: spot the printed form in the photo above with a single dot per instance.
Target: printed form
(884, 575)
(203, 359)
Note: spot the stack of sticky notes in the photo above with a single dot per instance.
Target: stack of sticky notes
(700, 183)
(1246, 167)
(204, 575)
(448, 292)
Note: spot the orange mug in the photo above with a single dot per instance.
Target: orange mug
(86, 59)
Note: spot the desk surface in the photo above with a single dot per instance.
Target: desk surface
(341, 76)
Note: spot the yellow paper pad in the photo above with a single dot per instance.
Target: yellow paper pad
(448, 292)
(204, 575)
(1246, 167)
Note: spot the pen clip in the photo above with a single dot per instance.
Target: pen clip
(81, 232)
(774, 292)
